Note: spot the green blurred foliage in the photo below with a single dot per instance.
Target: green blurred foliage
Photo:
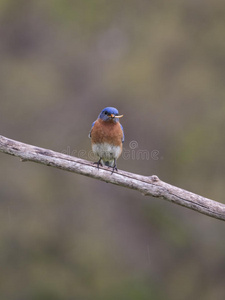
(162, 64)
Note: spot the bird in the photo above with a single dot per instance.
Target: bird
(107, 137)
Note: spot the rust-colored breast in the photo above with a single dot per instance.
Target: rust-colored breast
(107, 132)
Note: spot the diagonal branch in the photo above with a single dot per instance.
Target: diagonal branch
(147, 185)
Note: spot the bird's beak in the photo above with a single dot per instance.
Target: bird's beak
(113, 116)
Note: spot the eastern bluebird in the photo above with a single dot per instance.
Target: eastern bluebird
(107, 137)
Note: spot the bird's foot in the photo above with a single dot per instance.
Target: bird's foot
(114, 168)
(98, 163)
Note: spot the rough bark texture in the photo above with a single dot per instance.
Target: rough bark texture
(147, 185)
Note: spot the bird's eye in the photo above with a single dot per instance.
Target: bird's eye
(106, 113)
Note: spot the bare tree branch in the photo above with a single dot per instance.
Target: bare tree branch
(147, 185)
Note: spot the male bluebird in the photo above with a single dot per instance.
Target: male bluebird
(107, 137)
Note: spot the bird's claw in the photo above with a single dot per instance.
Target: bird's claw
(114, 168)
(98, 163)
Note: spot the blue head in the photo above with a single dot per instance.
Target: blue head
(110, 114)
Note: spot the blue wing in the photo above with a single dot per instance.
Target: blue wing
(123, 134)
(89, 135)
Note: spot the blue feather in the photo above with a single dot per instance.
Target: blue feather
(89, 135)
(123, 133)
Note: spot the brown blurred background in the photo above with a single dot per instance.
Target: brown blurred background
(162, 64)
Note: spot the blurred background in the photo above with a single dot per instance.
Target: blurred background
(162, 64)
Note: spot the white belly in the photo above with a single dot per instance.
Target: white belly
(106, 151)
